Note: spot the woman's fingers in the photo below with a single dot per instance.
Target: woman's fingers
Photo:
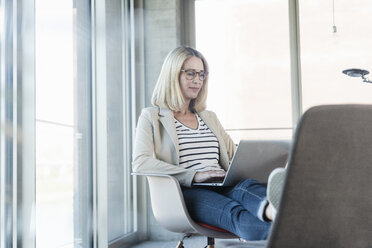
(218, 173)
(207, 175)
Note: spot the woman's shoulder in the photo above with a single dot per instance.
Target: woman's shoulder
(208, 114)
(150, 112)
(155, 112)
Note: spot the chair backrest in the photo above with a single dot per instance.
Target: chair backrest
(327, 198)
(168, 204)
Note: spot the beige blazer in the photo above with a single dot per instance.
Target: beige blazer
(156, 148)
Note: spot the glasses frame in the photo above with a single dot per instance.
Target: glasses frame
(195, 73)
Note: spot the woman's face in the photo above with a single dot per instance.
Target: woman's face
(190, 87)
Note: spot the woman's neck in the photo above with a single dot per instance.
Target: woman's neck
(185, 110)
(186, 117)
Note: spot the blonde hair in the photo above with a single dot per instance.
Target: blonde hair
(167, 92)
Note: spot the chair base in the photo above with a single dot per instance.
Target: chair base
(180, 245)
(210, 242)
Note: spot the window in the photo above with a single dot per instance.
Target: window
(325, 54)
(246, 44)
(63, 124)
(48, 113)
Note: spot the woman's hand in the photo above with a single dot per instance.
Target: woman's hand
(208, 175)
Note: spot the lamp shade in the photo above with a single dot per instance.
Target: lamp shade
(354, 72)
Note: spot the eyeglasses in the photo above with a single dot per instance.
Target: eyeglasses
(191, 74)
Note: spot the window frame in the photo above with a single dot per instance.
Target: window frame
(17, 148)
(133, 102)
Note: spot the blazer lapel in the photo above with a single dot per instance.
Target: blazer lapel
(167, 120)
(211, 123)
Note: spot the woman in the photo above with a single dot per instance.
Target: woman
(179, 137)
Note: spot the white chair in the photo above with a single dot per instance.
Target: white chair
(170, 210)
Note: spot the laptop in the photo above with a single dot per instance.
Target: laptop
(254, 159)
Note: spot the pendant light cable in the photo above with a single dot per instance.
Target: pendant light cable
(334, 28)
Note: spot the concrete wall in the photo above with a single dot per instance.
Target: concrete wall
(161, 34)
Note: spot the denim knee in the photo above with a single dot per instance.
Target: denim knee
(247, 226)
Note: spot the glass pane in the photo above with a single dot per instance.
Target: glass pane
(63, 124)
(246, 44)
(54, 185)
(325, 54)
(261, 134)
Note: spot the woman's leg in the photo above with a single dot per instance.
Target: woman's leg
(214, 209)
(251, 195)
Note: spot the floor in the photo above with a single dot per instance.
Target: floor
(200, 242)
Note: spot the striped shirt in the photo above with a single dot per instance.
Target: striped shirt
(199, 148)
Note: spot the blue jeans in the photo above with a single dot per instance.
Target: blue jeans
(238, 209)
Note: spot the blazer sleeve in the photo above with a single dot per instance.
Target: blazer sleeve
(144, 159)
